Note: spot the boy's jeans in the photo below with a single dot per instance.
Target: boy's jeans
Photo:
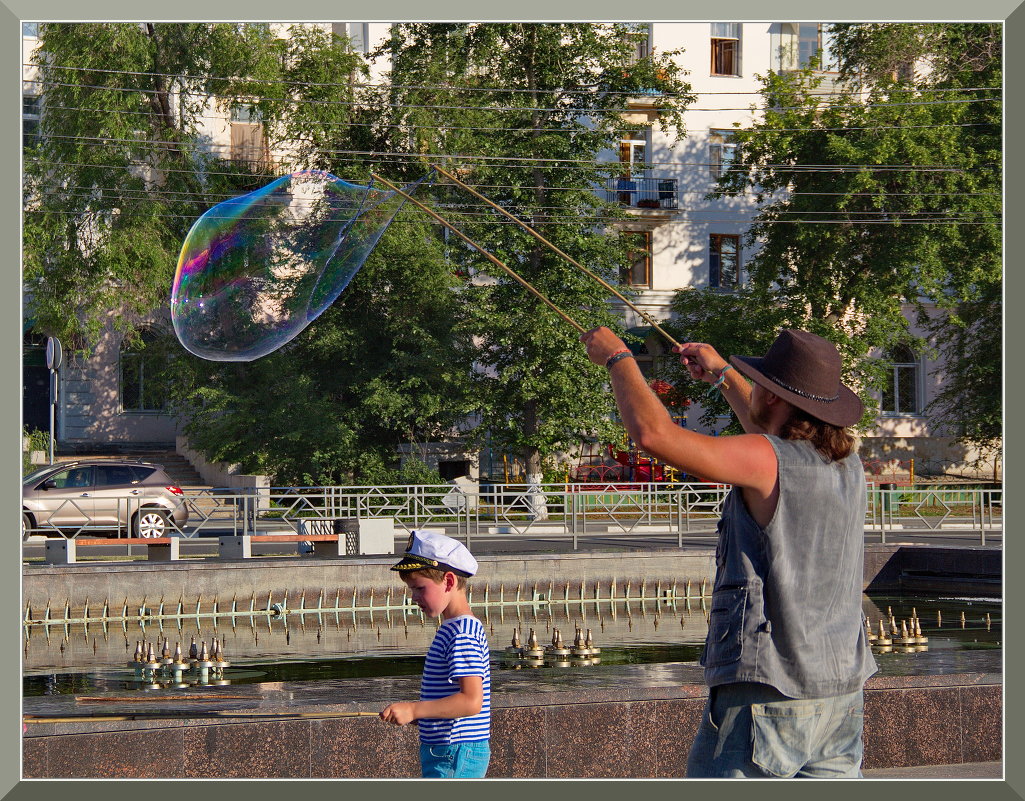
(753, 730)
(455, 761)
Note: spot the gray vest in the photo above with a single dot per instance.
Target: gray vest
(786, 605)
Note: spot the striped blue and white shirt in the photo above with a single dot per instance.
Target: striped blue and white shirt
(459, 648)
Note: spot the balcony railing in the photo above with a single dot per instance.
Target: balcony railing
(643, 193)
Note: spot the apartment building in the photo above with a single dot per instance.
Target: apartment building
(685, 240)
(681, 238)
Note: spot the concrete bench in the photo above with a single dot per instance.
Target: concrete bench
(240, 546)
(62, 551)
(332, 538)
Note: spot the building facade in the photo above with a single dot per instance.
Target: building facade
(681, 238)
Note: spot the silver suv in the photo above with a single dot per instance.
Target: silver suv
(105, 494)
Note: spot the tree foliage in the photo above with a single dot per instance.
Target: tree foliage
(522, 112)
(882, 196)
(125, 165)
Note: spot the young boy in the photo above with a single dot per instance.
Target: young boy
(454, 710)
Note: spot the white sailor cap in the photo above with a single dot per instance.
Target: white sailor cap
(433, 549)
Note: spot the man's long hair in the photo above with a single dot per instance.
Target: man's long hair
(833, 442)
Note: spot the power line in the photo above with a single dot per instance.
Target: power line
(565, 110)
(627, 221)
(469, 210)
(163, 193)
(472, 89)
(469, 128)
(530, 161)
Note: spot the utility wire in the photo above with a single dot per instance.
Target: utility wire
(565, 110)
(144, 194)
(495, 90)
(441, 127)
(626, 221)
(613, 166)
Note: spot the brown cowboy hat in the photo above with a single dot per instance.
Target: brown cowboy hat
(804, 369)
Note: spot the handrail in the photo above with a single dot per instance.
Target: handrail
(567, 510)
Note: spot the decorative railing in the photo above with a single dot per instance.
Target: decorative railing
(643, 193)
(557, 511)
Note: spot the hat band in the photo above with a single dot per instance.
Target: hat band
(800, 392)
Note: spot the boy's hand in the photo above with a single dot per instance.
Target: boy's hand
(400, 713)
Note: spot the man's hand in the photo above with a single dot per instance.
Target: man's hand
(399, 713)
(702, 361)
(601, 344)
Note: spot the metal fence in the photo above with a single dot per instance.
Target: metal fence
(552, 511)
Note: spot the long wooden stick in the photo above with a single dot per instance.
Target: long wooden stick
(196, 714)
(564, 255)
(153, 699)
(483, 252)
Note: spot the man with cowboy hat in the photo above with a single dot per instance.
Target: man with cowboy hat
(786, 655)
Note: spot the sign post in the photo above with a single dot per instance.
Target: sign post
(54, 356)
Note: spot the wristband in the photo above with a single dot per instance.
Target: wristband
(719, 381)
(618, 356)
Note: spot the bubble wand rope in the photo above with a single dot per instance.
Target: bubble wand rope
(564, 255)
(483, 252)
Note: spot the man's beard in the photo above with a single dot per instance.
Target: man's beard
(759, 414)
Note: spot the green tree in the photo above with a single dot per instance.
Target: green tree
(956, 59)
(877, 197)
(125, 166)
(522, 113)
(120, 169)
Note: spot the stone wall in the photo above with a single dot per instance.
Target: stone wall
(617, 733)
(888, 567)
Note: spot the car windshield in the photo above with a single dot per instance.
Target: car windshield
(38, 473)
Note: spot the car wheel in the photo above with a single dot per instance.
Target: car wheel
(149, 523)
(27, 525)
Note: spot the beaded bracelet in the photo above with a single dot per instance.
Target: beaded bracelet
(617, 356)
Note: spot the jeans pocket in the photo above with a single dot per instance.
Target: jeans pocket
(472, 760)
(784, 734)
(437, 761)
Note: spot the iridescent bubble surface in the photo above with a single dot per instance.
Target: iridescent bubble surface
(255, 270)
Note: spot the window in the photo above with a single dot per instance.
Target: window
(30, 120)
(633, 149)
(905, 72)
(814, 40)
(721, 151)
(143, 376)
(247, 142)
(358, 34)
(449, 470)
(726, 48)
(637, 271)
(797, 43)
(73, 477)
(723, 260)
(118, 474)
(638, 35)
(901, 393)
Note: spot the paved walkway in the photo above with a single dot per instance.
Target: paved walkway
(967, 770)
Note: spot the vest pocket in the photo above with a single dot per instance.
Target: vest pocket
(724, 643)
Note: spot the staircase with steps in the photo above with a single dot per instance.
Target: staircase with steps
(175, 465)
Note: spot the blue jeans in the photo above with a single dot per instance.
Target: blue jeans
(753, 730)
(455, 761)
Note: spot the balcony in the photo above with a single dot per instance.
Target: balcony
(647, 195)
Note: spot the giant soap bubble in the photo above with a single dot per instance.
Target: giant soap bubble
(257, 269)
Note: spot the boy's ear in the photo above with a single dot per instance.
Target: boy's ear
(450, 581)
